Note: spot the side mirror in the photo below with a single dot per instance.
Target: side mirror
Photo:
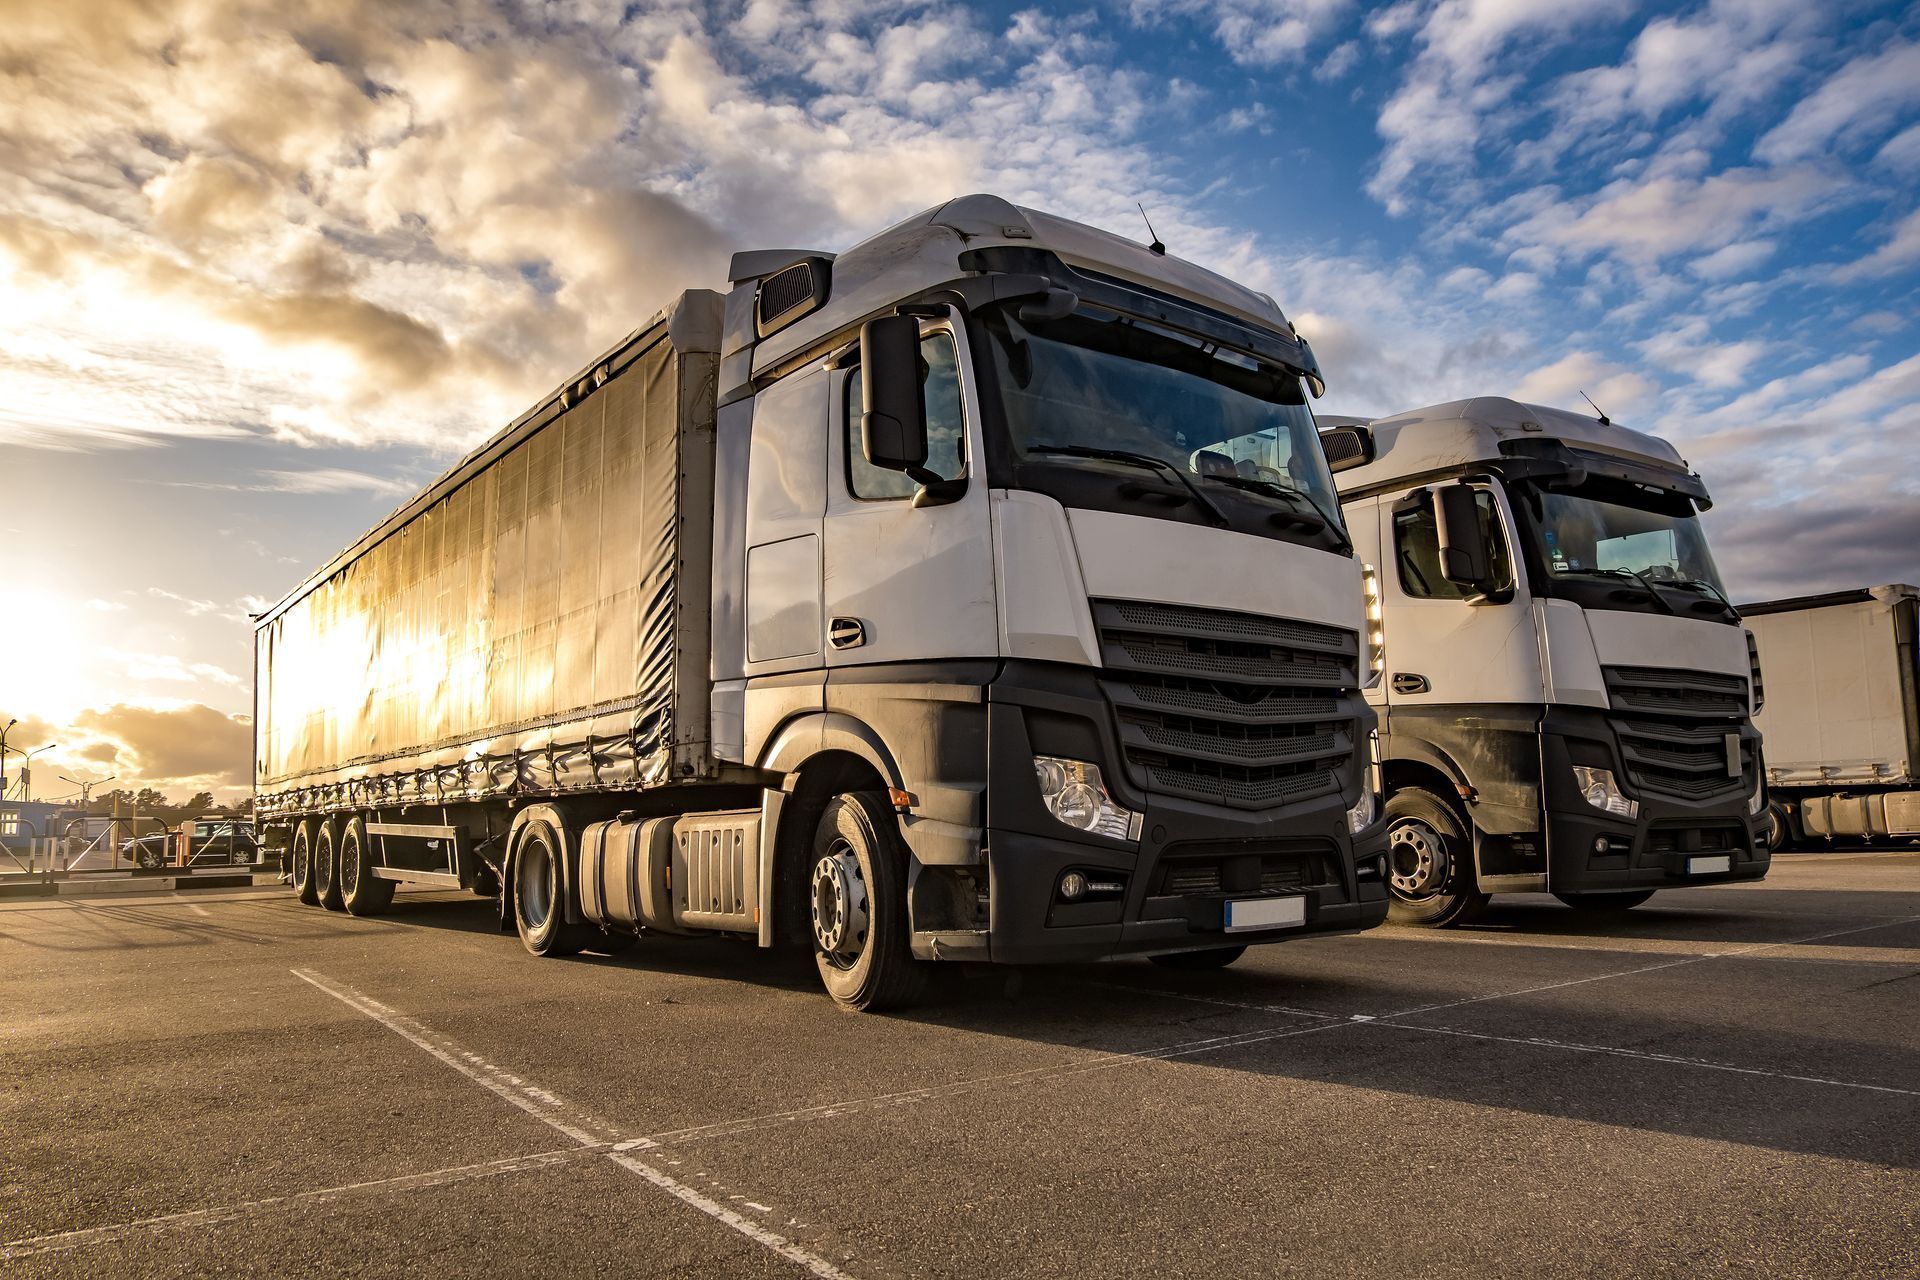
(1466, 558)
(893, 425)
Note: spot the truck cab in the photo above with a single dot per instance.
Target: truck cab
(1567, 694)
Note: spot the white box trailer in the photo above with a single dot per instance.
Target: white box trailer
(979, 593)
(1841, 722)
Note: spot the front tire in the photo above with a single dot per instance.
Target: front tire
(1429, 862)
(1605, 901)
(1199, 961)
(540, 895)
(326, 866)
(361, 891)
(856, 891)
(304, 886)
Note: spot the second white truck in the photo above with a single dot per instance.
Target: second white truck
(1568, 696)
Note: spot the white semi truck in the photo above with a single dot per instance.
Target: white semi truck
(978, 594)
(1842, 717)
(1568, 695)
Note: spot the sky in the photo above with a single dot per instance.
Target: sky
(268, 267)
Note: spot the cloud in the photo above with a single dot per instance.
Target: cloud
(1560, 384)
(1857, 102)
(1732, 260)
(1253, 32)
(1901, 250)
(1461, 76)
(183, 747)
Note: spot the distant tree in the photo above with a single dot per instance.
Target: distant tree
(150, 801)
(199, 803)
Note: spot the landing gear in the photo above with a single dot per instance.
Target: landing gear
(857, 901)
(1429, 862)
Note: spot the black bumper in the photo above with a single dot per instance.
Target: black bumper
(1192, 857)
(1668, 844)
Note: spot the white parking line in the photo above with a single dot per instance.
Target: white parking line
(548, 1108)
(1705, 1064)
(63, 1240)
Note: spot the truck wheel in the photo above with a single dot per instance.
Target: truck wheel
(361, 892)
(1429, 862)
(1193, 961)
(302, 859)
(1779, 826)
(539, 895)
(1605, 901)
(326, 866)
(856, 892)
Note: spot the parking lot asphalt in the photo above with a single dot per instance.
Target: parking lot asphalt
(229, 1083)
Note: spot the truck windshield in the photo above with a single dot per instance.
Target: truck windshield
(1583, 536)
(1102, 389)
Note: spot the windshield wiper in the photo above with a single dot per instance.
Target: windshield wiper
(1138, 460)
(1286, 493)
(1711, 590)
(1645, 582)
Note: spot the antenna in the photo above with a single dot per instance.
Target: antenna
(1605, 421)
(1156, 246)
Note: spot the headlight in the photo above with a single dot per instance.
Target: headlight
(1075, 794)
(1598, 787)
(1367, 807)
(1360, 817)
(1376, 628)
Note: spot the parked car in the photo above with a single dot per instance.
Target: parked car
(213, 842)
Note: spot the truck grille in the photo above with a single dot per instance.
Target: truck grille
(1230, 708)
(1183, 871)
(1674, 727)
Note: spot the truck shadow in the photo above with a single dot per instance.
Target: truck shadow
(1510, 1024)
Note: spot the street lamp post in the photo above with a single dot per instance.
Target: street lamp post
(3, 755)
(26, 771)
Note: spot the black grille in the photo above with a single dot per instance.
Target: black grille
(784, 291)
(1185, 871)
(1230, 708)
(1679, 729)
(1712, 839)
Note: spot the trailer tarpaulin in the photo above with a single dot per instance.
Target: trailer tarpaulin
(533, 623)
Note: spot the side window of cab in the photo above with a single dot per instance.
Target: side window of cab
(1416, 545)
(946, 426)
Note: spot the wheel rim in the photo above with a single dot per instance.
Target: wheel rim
(349, 867)
(1417, 860)
(323, 866)
(842, 917)
(302, 862)
(533, 886)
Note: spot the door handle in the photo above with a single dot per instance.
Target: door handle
(1408, 682)
(846, 633)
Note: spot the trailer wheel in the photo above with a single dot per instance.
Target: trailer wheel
(1605, 901)
(304, 887)
(1199, 961)
(326, 866)
(362, 892)
(857, 902)
(539, 895)
(1429, 862)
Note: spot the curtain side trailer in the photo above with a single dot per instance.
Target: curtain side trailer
(977, 594)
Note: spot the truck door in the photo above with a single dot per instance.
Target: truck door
(1445, 649)
(906, 583)
(786, 496)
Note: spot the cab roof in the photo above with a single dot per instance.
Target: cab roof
(1446, 437)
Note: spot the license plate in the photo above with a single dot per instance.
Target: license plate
(1265, 913)
(1709, 866)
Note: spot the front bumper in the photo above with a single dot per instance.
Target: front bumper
(1665, 846)
(1192, 857)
